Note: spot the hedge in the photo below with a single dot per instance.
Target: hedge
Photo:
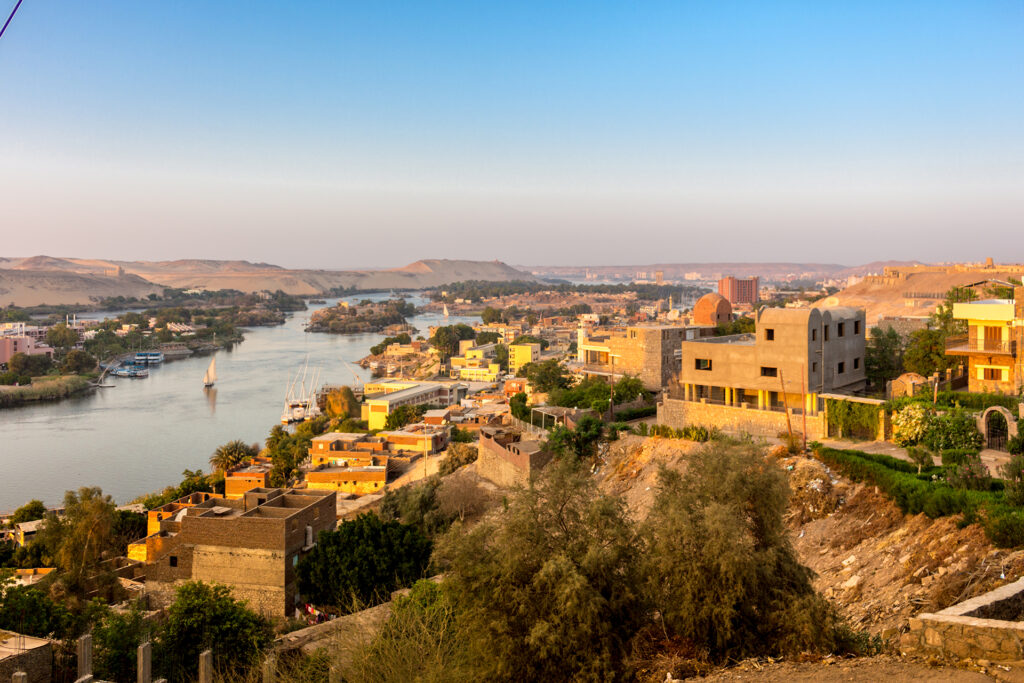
(913, 493)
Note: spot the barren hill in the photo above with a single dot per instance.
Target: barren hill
(916, 291)
(49, 280)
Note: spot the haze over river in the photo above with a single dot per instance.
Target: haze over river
(140, 435)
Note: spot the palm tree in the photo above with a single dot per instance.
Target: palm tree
(232, 453)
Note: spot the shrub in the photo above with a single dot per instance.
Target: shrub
(1005, 526)
(953, 429)
(1015, 444)
(1013, 474)
(956, 456)
(459, 454)
(910, 424)
(921, 457)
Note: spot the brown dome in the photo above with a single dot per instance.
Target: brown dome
(712, 309)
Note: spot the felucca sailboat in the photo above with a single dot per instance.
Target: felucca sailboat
(211, 373)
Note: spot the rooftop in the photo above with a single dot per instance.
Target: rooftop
(12, 644)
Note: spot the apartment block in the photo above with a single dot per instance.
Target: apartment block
(521, 354)
(739, 291)
(251, 544)
(384, 396)
(993, 343)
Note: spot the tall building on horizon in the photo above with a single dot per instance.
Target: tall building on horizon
(739, 291)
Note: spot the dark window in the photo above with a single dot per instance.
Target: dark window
(826, 332)
(814, 335)
(856, 327)
(814, 366)
(842, 368)
(856, 363)
(173, 560)
(769, 334)
(702, 364)
(769, 372)
(994, 374)
(841, 329)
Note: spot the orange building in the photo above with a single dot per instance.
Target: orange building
(252, 475)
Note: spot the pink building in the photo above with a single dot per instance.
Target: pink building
(19, 343)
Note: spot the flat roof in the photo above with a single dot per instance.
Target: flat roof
(737, 339)
(12, 644)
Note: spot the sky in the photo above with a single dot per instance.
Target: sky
(361, 134)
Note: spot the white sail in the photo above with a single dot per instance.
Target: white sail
(211, 373)
(446, 310)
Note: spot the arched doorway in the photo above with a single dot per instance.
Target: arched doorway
(996, 430)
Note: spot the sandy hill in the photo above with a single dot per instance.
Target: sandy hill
(58, 287)
(916, 291)
(765, 270)
(49, 280)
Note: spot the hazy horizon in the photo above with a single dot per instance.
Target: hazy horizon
(343, 135)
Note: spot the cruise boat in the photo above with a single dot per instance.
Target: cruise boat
(132, 370)
(149, 357)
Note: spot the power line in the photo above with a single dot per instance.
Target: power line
(8, 22)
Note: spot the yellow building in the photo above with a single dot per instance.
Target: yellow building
(521, 354)
(383, 397)
(476, 364)
(994, 328)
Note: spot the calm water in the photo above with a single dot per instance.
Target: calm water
(140, 435)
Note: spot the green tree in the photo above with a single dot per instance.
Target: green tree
(342, 403)
(550, 587)
(29, 512)
(719, 565)
(205, 616)
(28, 610)
(628, 389)
(926, 353)
(883, 357)
(517, 405)
(82, 536)
(403, 415)
(77, 362)
(490, 315)
(231, 454)
(60, 336)
(117, 636)
(34, 365)
(363, 562)
(487, 338)
(416, 505)
(581, 442)
(446, 339)
(546, 375)
(531, 339)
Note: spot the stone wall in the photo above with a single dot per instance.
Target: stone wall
(36, 662)
(742, 420)
(498, 470)
(975, 628)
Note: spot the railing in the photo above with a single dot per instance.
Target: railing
(964, 344)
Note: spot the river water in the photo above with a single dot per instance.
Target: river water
(140, 435)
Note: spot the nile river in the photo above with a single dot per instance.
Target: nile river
(139, 436)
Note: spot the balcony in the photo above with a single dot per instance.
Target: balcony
(963, 345)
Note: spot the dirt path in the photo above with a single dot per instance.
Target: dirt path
(882, 668)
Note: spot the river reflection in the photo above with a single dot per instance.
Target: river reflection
(139, 436)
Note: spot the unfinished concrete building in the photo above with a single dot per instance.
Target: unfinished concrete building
(251, 544)
(650, 353)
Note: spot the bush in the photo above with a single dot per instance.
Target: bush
(956, 456)
(910, 424)
(953, 429)
(459, 454)
(1005, 526)
(1015, 444)
(362, 562)
(636, 413)
(1013, 474)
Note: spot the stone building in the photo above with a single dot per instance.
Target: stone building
(506, 458)
(251, 544)
(793, 357)
(25, 654)
(650, 353)
(739, 291)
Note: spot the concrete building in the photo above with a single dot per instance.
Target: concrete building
(739, 291)
(384, 396)
(650, 353)
(793, 357)
(251, 544)
(25, 654)
(21, 338)
(521, 354)
(993, 343)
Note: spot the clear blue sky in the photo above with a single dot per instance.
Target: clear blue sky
(339, 134)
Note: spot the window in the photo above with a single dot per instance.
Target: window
(814, 335)
(173, 560)
(856, 363)
(993, 374)
(856, 327)
(814, 366)
(702, 364)
(841, 329)
(826, 332)
(769, 334)
(841, 369)
(769, 372)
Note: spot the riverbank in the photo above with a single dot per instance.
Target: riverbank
(44, 389)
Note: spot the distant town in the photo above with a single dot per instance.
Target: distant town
(872, 418)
